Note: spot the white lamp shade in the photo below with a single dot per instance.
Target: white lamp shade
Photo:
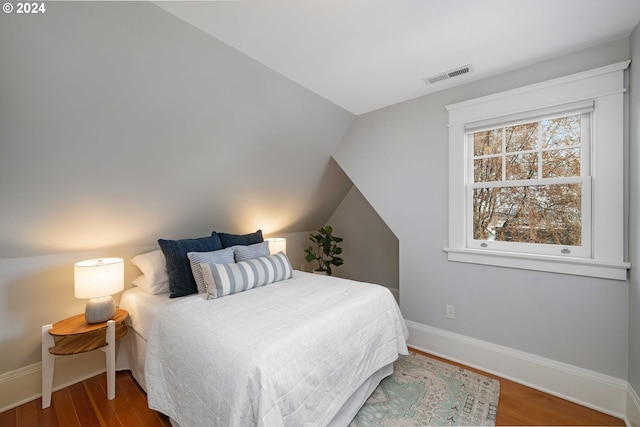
(277, 245)
(98, 277)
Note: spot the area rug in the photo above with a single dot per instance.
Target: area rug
(426, 392)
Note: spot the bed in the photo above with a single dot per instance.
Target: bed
(305, 351)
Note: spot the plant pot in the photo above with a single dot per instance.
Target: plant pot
(320, 272)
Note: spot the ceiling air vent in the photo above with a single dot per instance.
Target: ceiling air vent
(460, 71)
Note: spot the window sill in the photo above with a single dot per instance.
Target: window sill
(549, 263)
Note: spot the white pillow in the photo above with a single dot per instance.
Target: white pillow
(154, 267)
(143, 283)
(257, 250)
(221, 256)
(231, 278)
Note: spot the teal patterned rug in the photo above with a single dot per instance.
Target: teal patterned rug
(426, 392)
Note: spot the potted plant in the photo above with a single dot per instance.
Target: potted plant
(326, 250)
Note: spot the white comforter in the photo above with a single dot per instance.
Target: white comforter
(286, 354)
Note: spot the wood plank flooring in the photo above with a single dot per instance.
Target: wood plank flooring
(86, 404)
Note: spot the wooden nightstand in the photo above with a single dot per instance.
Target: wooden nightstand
(73, 336)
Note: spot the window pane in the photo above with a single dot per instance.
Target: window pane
(521, 137)
(522, 166)
(488, 169)
(548, 214)
(561, 163)
(561, 132)
(487, 142)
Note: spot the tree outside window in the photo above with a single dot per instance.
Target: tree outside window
(522, 186)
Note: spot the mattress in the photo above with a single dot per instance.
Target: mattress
(143, 307)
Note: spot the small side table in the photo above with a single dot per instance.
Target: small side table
(73, 336)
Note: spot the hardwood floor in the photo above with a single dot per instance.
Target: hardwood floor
(86, 404)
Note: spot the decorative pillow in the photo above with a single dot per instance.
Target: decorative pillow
(181, 281)
(143, 283)
(239, 239)
(154, 267)
(221, 256)
(257, 250)
(231, 278)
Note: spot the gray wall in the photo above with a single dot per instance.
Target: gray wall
(634, 215)
(577, 320)
(121, 124)
(370, 249)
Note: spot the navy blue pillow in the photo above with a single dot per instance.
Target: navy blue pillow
(181, 281)
(240, 239)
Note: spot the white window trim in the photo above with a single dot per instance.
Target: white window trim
(605, 87)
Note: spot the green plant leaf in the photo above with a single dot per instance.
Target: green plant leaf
(325, 249)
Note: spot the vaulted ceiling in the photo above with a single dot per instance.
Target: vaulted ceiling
(367, 54)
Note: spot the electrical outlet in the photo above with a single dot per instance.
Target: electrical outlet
(451, 311)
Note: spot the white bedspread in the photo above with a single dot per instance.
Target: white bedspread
(286, 354)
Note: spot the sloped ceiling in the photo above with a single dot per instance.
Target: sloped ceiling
(121, 124)
(364, 55)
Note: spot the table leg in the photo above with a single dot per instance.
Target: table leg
(110, 351)
(48, 364)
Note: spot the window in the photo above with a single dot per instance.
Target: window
(529, 186)
(536, 176)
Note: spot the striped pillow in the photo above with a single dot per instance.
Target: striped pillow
(231, 278)
(196, 258)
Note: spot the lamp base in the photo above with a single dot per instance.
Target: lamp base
(100, 310)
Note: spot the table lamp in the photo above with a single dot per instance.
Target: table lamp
(277, 244)
(96, 280)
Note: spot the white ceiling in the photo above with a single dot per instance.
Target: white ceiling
(366, 54)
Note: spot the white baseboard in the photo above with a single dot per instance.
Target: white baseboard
(633, 407)
(25, 384)
(588, 388)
